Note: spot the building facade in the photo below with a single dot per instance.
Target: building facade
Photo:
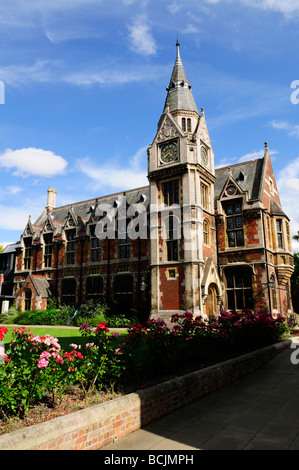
(196, 239)
(7, 266)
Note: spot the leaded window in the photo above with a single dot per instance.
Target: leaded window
(239, 288)
(172, 236)
(48, 239)
(27, 253)
(71, 246)
(94, 288)
(234, 224)
(96, 245)
(68, 296)
(279, 233)
(124, 239)
(171, 192)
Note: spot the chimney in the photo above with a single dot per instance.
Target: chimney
(51, 203)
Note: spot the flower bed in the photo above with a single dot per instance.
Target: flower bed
(36, 369)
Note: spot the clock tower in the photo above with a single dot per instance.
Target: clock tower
(182, 229)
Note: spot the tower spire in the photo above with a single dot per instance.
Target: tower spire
(179, 96)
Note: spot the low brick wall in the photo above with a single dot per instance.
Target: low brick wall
(97, 426)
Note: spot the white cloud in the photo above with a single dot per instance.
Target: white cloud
(288, 187)
(41, 71)
(141, 39)
(115, 178)
(255, 155)
(287, 7)
(32, 161)
(14, 218)
(190, 29)
(292, 129)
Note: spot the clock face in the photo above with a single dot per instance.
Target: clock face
(169, 153)
(204, 156)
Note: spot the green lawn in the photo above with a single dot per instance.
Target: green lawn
(66, 336)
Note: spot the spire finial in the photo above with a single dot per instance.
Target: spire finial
(178, 48)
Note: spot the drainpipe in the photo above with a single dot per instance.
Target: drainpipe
(81, 270)
(108, 272)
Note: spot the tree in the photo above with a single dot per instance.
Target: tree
(295, 275)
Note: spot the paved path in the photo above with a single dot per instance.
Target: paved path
(257, 412)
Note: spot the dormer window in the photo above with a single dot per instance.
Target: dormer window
(71, 246)
(28, 253)
(96, 245)
(48, 250)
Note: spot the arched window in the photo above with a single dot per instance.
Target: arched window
(189, 125)
(206, 232)
(184, 124)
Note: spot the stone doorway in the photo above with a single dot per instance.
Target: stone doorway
(211, 303)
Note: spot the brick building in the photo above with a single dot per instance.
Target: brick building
(204, 239)
(7, 264)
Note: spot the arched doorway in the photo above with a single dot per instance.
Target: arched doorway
(211, 302)
(27, 299)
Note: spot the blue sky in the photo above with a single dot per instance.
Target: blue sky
(85, 84)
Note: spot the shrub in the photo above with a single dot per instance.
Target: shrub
(9, 316)
(36, 367)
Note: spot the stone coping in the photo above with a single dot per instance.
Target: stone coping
(97, 426)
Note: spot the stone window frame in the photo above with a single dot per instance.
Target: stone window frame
(171, 243)
(93, 292)
(70, 252)
(234, 227)
(206, 230)
(205, 196)
(238, 274)
(27, 252)
(95, 245)
(279, 233)
(171, 192)
(48, 249)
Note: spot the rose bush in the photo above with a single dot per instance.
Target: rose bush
(35, 367)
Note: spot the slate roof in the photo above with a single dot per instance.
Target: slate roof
(275, 209)
(179, 95)
(248, 176)
(84, 209)
(41, 285)
(9, 249)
